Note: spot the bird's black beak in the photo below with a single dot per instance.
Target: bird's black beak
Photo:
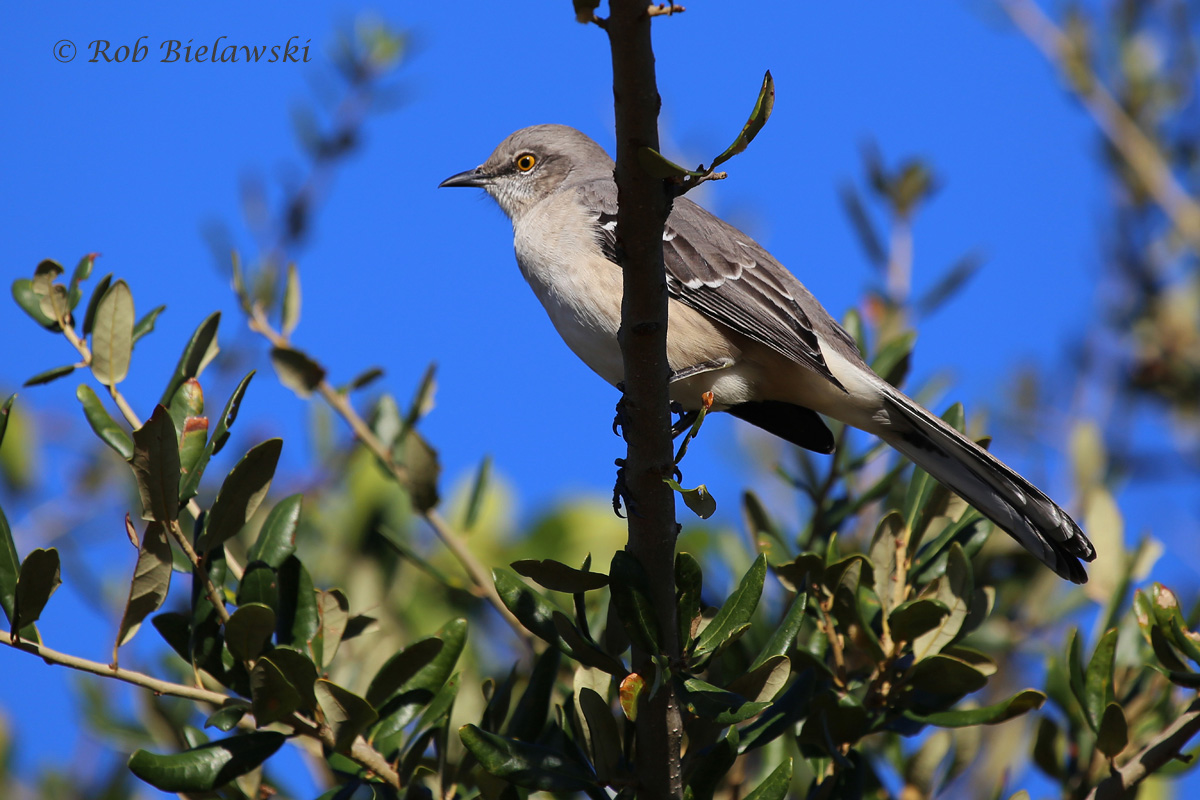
(472, 177)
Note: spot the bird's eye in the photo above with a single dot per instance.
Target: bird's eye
(525, 162)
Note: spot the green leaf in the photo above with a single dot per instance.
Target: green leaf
(347, 714)
(702, 504)
(582, 650)
(736, 611)
(155, 465)
(764, 681)
(83, 271)
(98, 291)
(478, 489)
(954, 590)
(1112, 735)
(333, 612)
(5, 411)
(630, 592)
(274, 697)
(39, 577)
(145, 325)
(718, 705)
(112, 335)
(893, 359)
(190, 484)
(187, 402)
(1015, 706)
(297, 612)
(689, 581)
(109, 431)
(714, 764)
(526, 765)
(659, 166)
(776, 785)
(603, 735)
(944, 676)
(227, 716)
(10, 569)
(414, 693)
(530, 608)
(1098, 688)
(277, 537)
(241, 494)
(151, 582)
(529, 717)
(784, 633)
(420, 460)
(887, 555)
(207, 767)
(400, 668)
(300, 672)
(364, 378)
(259, 584)
(291, 301)
(31, 304)
(758, 118)
(558, 577)
(296, 370)
(52, 374)
(249, 629)
(199, 351)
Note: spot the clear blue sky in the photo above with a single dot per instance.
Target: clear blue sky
(131, 159)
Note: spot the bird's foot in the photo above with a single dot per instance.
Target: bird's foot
(621, 491)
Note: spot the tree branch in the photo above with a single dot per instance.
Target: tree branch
(1154, 756)
(643, 203)
(1139, 152)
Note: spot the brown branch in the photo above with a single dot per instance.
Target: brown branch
(1164, 748)
(339, 402)
(214, 594)
(1125, 135)
(664, 10)
(643, 203)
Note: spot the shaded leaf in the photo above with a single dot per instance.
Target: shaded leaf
(689, 581)
(954, 590)
(98, 291)
(155, 465)
(249, 629)
(227, 716)
(83, 271)
(40, 575)
(400, 668)
(333, 613)
(243, 491)
(1018, 704)
(530, 608)
(345, 712)
(296, 370)
(207, 767)
(50, 375)
(630, 595)
(112, 335)
(527, 765)
(296, 622)
(1098, 688)
(774, 786)
(558, 577)
(300, 672)
(151, 582)
(109, 431)
(31, 304)
(1112, 735)
(603, 736)
(274, 696)
(529, 716)
(291, 301)
(478, 488)
(364, 378)
(5, 412)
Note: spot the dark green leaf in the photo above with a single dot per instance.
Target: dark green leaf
(10, 569)
(630, 592)
(420, 461)
(659, 166)
(689, 581)
(296, 370)
(585, 10)
(1014, 706)
(558, 577)
(83, 271)
(1112, 736)
(764, 681)
(478, 487)
(1098, 688)
(249, 629)
(241, 494)
(949, 284)
(297, 613)
(151, 582)
(208, 767)
(112, 335)
(737, 610)
(947, 677)
(199, 351)
(364, 378)
(145, 325)
(39, 577)
(274, 696)
(259, 584)
(582, 650)
(603, 735)
(299, 670)
(712, 765)
(527, 765)
(155, 465)
(1048, 748)
(702, 504)
(530, 608)
(529, 717)
(400, 668)
(227, 716)
(187, 402)
(758, 118)
(954, 589)
(190, 484)
(5, 411)
(109, 431)
(776, 785)
(402, 708)
(345, 712)
(784, 633)
(52, 374)
(175, 631)
(718, 705)
(277, 537)
(98, 291)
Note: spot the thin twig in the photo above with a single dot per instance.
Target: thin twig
(360, 752)
(1125, 135)
(214, 594)
(664, 10)
(340, 403)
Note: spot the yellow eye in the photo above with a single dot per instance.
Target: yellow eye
(525, 162)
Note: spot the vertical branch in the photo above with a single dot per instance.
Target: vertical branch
(642, 209)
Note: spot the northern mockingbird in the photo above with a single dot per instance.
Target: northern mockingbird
(740, 326)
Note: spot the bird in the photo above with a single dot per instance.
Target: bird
(740, 325)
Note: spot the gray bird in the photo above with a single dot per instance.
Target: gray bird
(740, 326)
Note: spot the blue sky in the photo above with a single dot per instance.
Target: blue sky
(132, 159)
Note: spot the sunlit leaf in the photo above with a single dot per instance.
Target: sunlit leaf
(39, 577)
(155, 465)
(199, 351)
(208, 767)
(527, 765)
(758, 118)
(296, 370)
(737, 609)
(244, 489)
(112, 335)
(109, 431)
(151, 582)
(291, 301)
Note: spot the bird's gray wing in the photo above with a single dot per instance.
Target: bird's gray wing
(719, 271)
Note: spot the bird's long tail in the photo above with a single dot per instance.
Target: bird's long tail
(995, 490)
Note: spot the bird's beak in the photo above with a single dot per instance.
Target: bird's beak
(472, 177)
